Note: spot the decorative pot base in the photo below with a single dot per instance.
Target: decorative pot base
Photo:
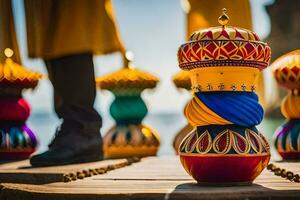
(13, 155)
(226, 154)
(287, 140)
(180, 135)
(123, 141)
(17, 141)
(224, 169)
(294, 156)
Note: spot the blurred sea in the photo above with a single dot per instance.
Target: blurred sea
(166, 124)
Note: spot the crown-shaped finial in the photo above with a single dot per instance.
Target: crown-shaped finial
(223, 19)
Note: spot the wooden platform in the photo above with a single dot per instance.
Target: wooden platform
(22, 172)
(151, 178)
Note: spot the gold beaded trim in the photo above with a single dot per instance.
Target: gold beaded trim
(97, 171)
(224, 79)
(194, 143)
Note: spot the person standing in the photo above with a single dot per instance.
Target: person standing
(66, 34)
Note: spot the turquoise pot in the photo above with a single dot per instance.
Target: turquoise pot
(128, 109)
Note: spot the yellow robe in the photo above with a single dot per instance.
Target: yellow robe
(62, 27)
(58, 28)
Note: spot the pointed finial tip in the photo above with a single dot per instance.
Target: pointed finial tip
(8, 52)
(223, 19)
(128, 57)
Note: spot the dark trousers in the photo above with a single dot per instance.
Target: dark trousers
(74, 86)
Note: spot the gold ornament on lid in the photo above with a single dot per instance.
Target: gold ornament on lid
(286, 70)
(128, 78)
(223, 19)
(182, 80)
(8, 52)
(127, 60)
(15, 75)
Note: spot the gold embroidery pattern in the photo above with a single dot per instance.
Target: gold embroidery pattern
(288, 77)
(224, 33)
(226, 142)
(286, 70)
(288, 144)
(207, 53)
(222, 87)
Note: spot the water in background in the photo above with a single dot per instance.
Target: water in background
(166, 124)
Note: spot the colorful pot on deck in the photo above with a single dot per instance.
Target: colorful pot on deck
(17, 141)
(286, 70)
(129, 137)
(224, 64)
(182, 81)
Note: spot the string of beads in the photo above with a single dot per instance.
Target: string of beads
(293, 177)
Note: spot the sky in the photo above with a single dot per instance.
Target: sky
(151, 29)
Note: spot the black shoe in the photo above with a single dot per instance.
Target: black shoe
(72, 144)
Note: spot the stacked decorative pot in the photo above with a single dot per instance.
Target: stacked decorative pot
(287, 73)
(17, 141)
(182, 81)
(129, 137)
(224, 64)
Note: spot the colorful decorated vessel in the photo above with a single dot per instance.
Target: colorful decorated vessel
(224, 64)
(286, 70)
(129, 137)
(182, 81)
(17, 141)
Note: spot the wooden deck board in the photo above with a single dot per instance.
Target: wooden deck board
(22, 172)
(155, 178)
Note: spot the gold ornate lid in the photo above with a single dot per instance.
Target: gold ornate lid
(224, 58)
(286, 70)
(15, 75)
(182, 80)
(127, 78)
(224, 46)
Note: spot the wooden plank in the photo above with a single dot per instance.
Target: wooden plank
(289, 166)
(146, 189)
(22, 172)
(151, 168)
(154, 178)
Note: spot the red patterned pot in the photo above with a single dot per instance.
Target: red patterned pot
(287, 140)
(224, 154)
